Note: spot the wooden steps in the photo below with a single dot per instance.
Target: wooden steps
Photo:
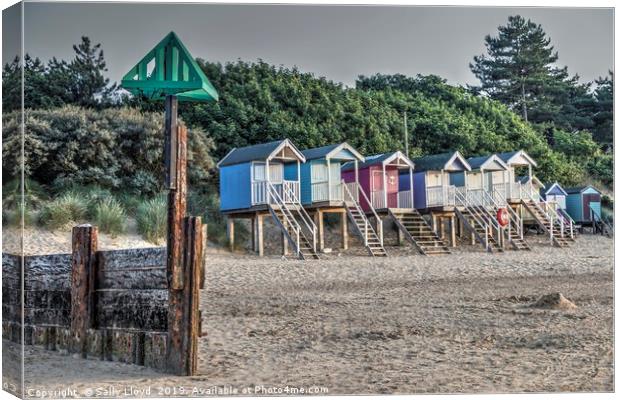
(544, 221)
(512, 235)
(475, 221)
(372, 242)
(306, 249)
(419, 233)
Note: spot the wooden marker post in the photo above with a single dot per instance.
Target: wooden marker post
(83, 262)
(176, 181)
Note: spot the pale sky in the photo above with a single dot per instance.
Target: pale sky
(337, 42)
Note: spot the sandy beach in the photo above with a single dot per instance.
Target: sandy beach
(463, 323)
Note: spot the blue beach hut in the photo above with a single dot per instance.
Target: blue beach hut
(248, 173)
(321, 179)
(582, 202)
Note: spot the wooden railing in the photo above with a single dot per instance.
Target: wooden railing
(287, 190)
(352, 192)
(352, 189)
(440, 195)
(377, 199)
(259, 192)
(405, 199)
(320, 191)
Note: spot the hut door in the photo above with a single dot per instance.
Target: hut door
(392, 187)
(488, 180)
(587, 199)
(376, 189)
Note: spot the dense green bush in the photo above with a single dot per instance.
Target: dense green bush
(110, 217)
(116, 148)
(151, 217)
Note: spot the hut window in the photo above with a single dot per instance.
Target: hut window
(434, 179)
(319, 172)
(276, 172)
(334, 172)
(259, 172)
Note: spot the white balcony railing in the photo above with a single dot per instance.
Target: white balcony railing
(377, 198)
(352, 189)
(440, 195)
(336, 192)
(405, 199)
(287, 190)
(519, 191)
(321, 191)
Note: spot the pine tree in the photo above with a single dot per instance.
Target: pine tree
(604, 116)
(89, 86)
(519, 70)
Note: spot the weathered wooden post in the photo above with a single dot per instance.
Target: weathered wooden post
(175, 75)
(83, 275)
(177, 205)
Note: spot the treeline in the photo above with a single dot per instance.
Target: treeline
(553, 117)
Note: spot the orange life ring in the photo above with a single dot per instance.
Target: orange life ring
(502, 216)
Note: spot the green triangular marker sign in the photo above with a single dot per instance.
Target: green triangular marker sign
(169, 69)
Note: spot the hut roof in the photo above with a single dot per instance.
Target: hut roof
(549, 187)
(479, 162)
(512, 157)
(436, 162)
(259, 152)
(579, 189)
(330, 150)
(383, 158)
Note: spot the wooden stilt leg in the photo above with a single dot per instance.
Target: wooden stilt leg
(434, 221)
(253, 228)
(399, 236)
(453, 231)
(318, 221)
(259, 234)
(230, 233)
(344, 230)
(473, 238)
(442, 231)
(284, 241)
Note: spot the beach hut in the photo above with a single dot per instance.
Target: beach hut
(555, 194)
(321, 181)
(517, 162)
(257, 181)
(582, 203)
(487, 175)
(378, 177)
(322, 191)
(434, 179)
(248, 173)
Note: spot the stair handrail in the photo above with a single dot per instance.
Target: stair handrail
(289, 220)
(551, 211)
(564, 222)
(488, 199)
(359, 209)
(567, 217)
(514, 219)
(304, 216)
(462, 198)
(596, 217)
(536, 203)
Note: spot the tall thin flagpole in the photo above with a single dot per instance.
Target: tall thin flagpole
(406, 137)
